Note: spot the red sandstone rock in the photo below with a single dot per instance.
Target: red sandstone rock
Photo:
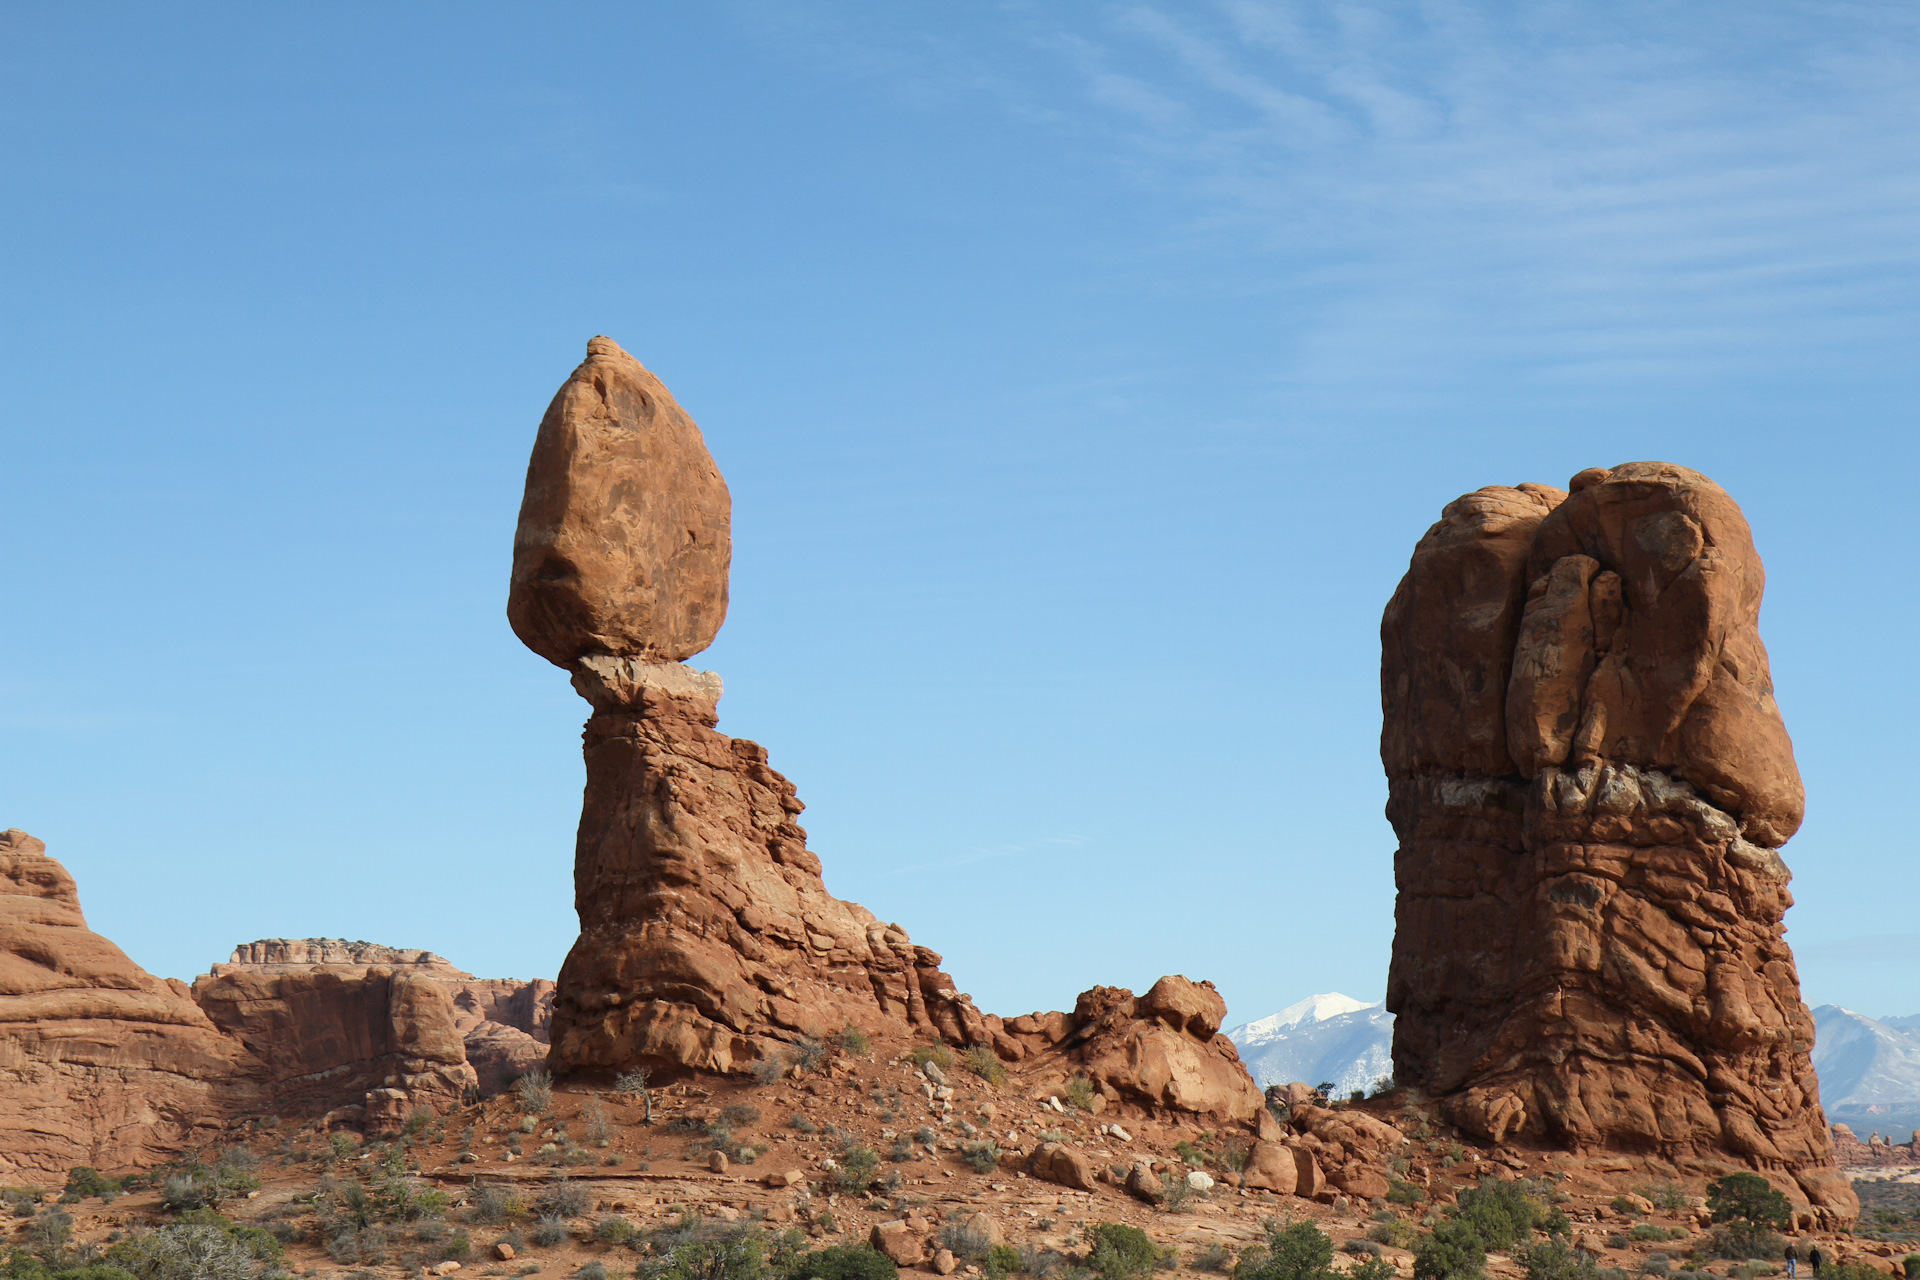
(103, 1064)
(1162, 1049)
(1590, 783)
(623, 543)
(1058, 1162)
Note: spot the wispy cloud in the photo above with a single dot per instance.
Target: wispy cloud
(1571, 191)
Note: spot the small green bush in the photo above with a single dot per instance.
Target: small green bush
(1651, 1231)
(965, 1242)
(981, 1156)
(595, 1270)
(855, 1167)
(85, 1181)
(843, 1262)
(1002, 1260)
(1298, 1251)
(1555, 1259)
(613, 1229)
(1397, 1232)
(854, 1041)
(1625, 1207)
(938, 1054)
(562, 1199)
(549, 1231)
(1080, 1093)
(1121, 1252)
(739, 1115)
(1453, 1251)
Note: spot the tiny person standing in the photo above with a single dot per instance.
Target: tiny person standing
(1815, 1258)
(1793, 1261)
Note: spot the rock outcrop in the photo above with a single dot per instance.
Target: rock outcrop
(1590, 783)
(332, 1019)
(1162, 1050)
(624, 538)
(101, 1063)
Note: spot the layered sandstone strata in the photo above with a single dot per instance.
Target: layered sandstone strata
(1590, 783)
(101, 1063)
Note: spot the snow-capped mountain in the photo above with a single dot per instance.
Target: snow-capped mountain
(1321, 1038)
(1869, 1071)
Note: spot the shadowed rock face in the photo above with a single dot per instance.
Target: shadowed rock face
(624, 536)
(1590, 783)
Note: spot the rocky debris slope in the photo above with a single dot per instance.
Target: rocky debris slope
(1590, 783)
(708, 941)
(1876, 1151)
(101, 1063)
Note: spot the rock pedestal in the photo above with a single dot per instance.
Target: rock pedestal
(1591, 783)
(707, 938)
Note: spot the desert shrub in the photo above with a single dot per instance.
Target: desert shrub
(1750, 1270)
(632, 1083)
(1623, 1206)
(459, 1247)
(209, 1248)
(1394, 1231)
(804, 1125)
(938, 1054)
(1296, 1251)
(965, 1241)
(599, 1124)
(1383, 1085)
(562, 1199)
(1741, 1242)
(1911, 1266)
(843, 1262)
(709, 1255)
(1650, 1231)
(83, 1181)
(1504, 1214)
(1039, 1263)
(985, 1063)
(1748, 1197)
(1555, 1259)
(198, 1187)
(1617, 1241)
(1453, 1251)
(613, 1229)
(595, 1270)
(495, 1204)
(1233, 1157)
(808, 1054)
(1668, 1197)
(1079, 1093)
(854, 1040)
(1178, 1192)
(739, 1114)
(855, 1167)
(1851, 1271)
(1002, 1261)
(535, 1090)
(1361, 1248)
(1212, 1257)
(1121, 1252)
(981, 1156)
(550, 1230)
(1404, 1193)
(1656, 1263)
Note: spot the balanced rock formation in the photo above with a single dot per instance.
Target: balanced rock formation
(624, 541)
(708, 940)
(101, 1063)
(1590, 783)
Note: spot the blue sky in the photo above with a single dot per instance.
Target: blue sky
(1083, 374)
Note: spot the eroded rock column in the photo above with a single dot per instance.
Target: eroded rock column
(1591, 783)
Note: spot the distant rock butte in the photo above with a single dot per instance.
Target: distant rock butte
(106, 1065)
(624, 537)
(708, 940)
(1591, 782)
